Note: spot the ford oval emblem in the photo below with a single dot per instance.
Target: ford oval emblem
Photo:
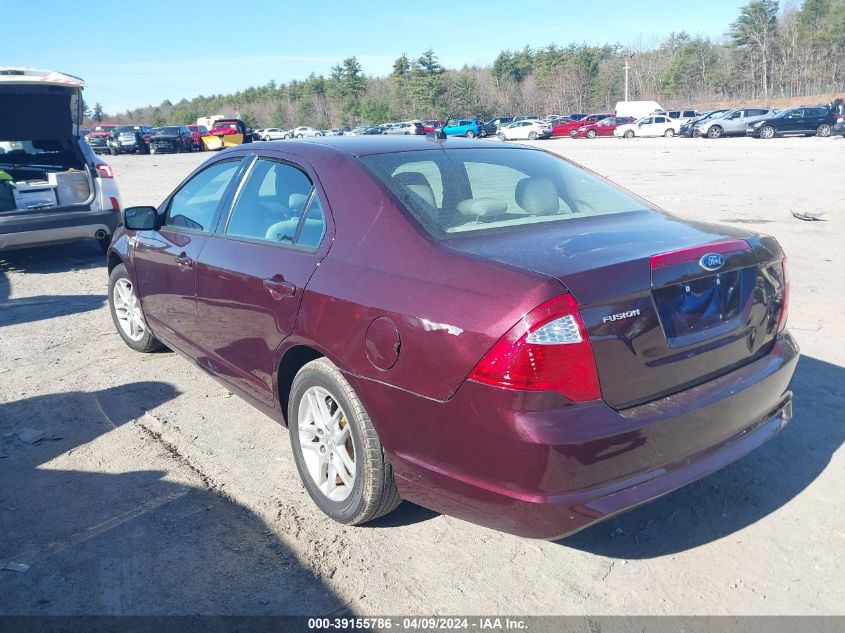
(712, 261)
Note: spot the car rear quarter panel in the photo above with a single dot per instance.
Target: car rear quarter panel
(448, 308)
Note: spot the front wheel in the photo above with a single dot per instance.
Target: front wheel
(669, 133)
(714, 132)
(629, 134)
(501, 136)
(824, 130)
(591, 134)
(126, 313)
(767, 132)
(337, 451)
(482, 133)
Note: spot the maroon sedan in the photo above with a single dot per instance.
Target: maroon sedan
(602, 127)
(489, 331)
(568, 127)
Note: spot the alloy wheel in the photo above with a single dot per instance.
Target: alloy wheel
(325, 440)
(128, 310)
(767, 132)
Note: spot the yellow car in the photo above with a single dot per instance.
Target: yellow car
(226, 133)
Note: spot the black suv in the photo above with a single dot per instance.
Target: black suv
(171, 138)
(806, 120)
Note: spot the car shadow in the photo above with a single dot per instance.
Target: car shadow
(52, 259)
(124, 538)
(744, 492)
(31, 309)
(46, 260)
(406, 514)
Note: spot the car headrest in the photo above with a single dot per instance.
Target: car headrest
(537, 196)
(417, 183)
(481, 207)
(296, 202)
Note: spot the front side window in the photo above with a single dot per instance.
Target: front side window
(493, 189)
(195, 204)
(277, 203)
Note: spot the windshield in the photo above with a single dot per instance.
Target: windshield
(165, 131)
(472, 190)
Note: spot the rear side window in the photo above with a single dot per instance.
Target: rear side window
(494, 189)
(195, 204)
(272, 203)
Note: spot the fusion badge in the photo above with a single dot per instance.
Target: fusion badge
(621, 315)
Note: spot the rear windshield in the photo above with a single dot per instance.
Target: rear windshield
(165, 131)
(463, 191)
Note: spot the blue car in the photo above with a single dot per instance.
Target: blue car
(462, 127)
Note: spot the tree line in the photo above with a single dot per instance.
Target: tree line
(768, 51)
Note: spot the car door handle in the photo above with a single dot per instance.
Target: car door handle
(184, 260)
(280, 288)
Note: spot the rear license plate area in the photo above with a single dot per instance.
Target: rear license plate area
(708, 304)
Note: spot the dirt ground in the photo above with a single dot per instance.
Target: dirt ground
(158, 492)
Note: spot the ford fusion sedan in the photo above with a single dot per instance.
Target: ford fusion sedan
(487, 330)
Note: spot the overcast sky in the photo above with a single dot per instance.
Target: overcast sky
(134, 53)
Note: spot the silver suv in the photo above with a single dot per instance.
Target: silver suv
(53, 188)
(733, 122)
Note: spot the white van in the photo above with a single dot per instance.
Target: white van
(637, 109)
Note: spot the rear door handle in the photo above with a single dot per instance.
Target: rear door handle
(184, 260)
(280, 288)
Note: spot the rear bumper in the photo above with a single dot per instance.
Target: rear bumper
(50, 227)
(533, 465)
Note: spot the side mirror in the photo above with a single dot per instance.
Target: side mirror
(140, 218)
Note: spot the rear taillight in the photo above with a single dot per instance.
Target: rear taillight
(547, 350)
(784, 299)
(105, 171)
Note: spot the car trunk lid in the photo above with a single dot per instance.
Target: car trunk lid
(658, 321)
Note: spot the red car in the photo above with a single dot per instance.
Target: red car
(197, 132)
(431, 126)
(486, 330)
(602, 127)
(567, 127)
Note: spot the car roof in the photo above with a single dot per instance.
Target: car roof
(370, 145)
(21, 75)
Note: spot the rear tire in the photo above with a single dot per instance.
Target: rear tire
(669, 133)
(629, 134)
(322, 405)
(532, 136)
(501, 136)
(824, 130)
(123, 310)
(470, 134)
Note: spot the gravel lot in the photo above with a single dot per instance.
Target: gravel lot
(161, 493)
